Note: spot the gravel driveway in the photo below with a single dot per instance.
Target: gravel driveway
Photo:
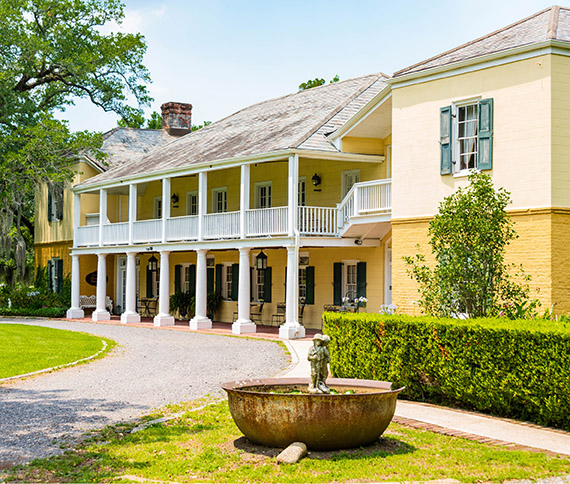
(149, 368)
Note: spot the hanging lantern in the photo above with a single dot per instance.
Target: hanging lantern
(153, 264)
(261, 261)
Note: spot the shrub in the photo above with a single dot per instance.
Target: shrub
(38, 312)
(516, 369)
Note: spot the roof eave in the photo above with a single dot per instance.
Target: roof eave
(449, 69)
(224, 164)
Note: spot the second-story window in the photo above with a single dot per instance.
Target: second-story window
(157, 210)
(263, 195)
(55, 202)
(192, 203)
(302, 193)
(220, 200)
(349, 178)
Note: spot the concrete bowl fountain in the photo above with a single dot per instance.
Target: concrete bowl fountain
(279, 411)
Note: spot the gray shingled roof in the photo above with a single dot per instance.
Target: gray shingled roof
(550, 24)
(122, 144)
(299, 120)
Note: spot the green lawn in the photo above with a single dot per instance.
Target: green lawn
(24, 348)
(206, 446)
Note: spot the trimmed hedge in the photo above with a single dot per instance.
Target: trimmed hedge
(40, 312)
(517, 369)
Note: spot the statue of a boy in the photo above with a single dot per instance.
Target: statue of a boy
(319, 357)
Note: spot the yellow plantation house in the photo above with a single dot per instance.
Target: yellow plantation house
(309, 201)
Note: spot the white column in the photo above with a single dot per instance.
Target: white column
(163, 318)
(102, 213)
(133, 194)
(292, 191)
(202, 202)
(243, 323)
(244, 200)
(165, 206)
(130, 315)
(291, 329)
(201, 320)
(101, 313)
(76, 216)
(75, 312)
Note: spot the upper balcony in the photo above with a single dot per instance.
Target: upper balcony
(365, 203)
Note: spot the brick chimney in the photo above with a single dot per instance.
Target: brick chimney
(176, 118)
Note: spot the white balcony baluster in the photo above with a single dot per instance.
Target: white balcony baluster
(221, 225)
(87, 235)
(266, 221)
(182, 228)
(317, 221)
(115, 234)
(147, 231)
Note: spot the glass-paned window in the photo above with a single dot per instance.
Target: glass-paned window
(350, 280)
(220, 200)
(263, 195)
(227, 281)
(186, 279)
(467, 118)
(302, 193)
(302, 283)
(349, 178)
(55, 202)
(260, 285)
(157, 207)
(192, 203)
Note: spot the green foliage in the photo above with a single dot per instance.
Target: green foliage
(155, 121)
(137, 120)
(509, 368)
(182, 303)
(469, 237)
(316, 82)
(196, 127)
(214, 302)
(55, 51)
(43, 312)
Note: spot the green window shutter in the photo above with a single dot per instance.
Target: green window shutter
(445, 140)
(59, 205)
(148, 282)
(267, 285)
(210, 280)
(337, 283)
(235, 281)
(361, 279)
(192, 279)
(50, 274)
(49, 204)
(251, 283)
(219, 277)
(485, 135)
(59, 273)
(310, 293)
(177, 285)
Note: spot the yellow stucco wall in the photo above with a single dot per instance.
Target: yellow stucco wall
(371, 146)
(541, 248)
(560, 131)
(522, 117)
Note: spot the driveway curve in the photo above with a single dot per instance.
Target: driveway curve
(149, 368)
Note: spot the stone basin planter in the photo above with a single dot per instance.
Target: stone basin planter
(321, 421)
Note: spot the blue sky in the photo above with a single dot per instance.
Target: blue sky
(223, 55)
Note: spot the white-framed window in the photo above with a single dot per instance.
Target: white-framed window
(349, 279)
(466, 136)
(55, 202)
(302, 192)
(263, 194)
(155, 282)
(465, 130)
(185, 278)
(220, 200)
(157, 207)
(349, 178)
(91, 219)
(259, 286)
(192, 203)
(227, 281)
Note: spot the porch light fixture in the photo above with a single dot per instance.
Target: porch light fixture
(261, 261)
(316, 180)
(175, 200)
(153, 264)
(358, 241)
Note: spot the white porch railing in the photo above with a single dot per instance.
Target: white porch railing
(221, 225)
(182, 228)
(147, 231)
(87, 235)
(364, 198)
(116, 234)
(266, 221)
(317, 221)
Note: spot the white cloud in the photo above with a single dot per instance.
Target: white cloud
(135, 20)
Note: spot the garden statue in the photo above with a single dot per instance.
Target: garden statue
(319, 357)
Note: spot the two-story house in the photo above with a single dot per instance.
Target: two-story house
(304, 200)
